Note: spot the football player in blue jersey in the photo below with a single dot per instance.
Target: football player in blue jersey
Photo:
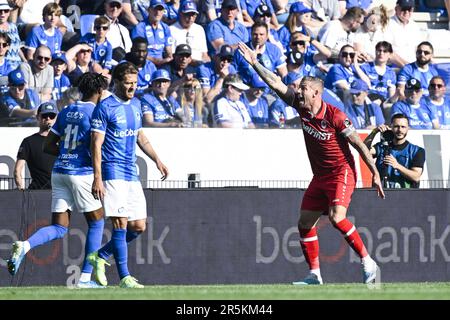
(116, 129)
(72, 177)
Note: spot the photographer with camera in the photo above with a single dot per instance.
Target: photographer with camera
(399, 162)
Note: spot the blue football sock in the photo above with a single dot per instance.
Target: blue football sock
(120, 250)
(93, 242)
(107, 250)
(46, 234)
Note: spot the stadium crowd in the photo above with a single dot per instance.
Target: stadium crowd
(374, 59)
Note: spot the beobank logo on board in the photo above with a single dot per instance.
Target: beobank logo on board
(126, 133)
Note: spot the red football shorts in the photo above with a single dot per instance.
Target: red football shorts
(329, 191)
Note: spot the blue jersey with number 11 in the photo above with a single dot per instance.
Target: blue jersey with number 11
(73, 126)
(120, 122)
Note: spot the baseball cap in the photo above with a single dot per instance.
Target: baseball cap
(161, 74)
(183, 49)
(358, 85)
(47, 107)
(226, 51)
(59, 56)
(4, 5)
(263, 10)
(16, 78)
(406, 3)
(413, 84)
(299, 7)
(188, 6)
(237, 83)
(157, 3)
(118, 1)
(291, 77)
(229, 4)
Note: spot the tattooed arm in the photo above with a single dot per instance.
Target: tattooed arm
(270, 78)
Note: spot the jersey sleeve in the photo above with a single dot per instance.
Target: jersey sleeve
(99, 119)
(24, 151)
(342, 123)
(32, 40)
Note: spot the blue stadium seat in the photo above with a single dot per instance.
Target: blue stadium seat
(430, 6)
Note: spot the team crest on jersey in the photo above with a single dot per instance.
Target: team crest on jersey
(147, 77)
(96, 123)
(138, 115)
(101, 52)
(324, 124)
(347, 123)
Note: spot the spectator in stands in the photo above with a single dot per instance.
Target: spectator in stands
(342, 74)
(212, 74)
(138, 56)
(30, 152)
(269, 55)
(171, 12)
(438, 102)
(79, 61)
(263, 14)
(229, 110)
(298, 20)
(46, 34)
(118, 35)
(226, 29)
(337, 33)
(422, 69)
(19, 104)
(256, 103)
(179, 68)
(195, 114)
(305, 57)
(158, 108)
(370, 33)
(101, 47)
(399, 162)
(14, 55)
(249, 10)
(186, 31)
(60, 81)
(325, 10)
(363, 113)
(419, 114)
(157, 33)
(5, 65)
(403, 33)
(39, 73)
(382, 77)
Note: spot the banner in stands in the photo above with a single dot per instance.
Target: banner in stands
(236, 154)
(215, 236)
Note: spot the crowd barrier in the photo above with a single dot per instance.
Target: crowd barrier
(224, 236)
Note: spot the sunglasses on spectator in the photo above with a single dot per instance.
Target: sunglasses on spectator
(84, 51)
(46, 59)
(190, 88)
(3, 11)
(425, 52)
(413, 90)
(348, 54)
(4, 44)
(436, 85)
(19, 87)
(226, 59)
(382, 51)
(298, 43)
(48, 115)
(101, 27)
(115, 5)
(406, 9)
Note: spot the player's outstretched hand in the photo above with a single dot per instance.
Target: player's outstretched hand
(376, 182)
(247, 53)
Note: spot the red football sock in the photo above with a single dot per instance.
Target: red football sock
(310, 247)
(352, 236)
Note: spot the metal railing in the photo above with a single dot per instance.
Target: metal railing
(9, 184)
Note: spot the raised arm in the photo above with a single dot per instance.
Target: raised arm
(358, 144)
(272, 80)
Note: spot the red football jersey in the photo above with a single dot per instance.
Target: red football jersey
(325, 139)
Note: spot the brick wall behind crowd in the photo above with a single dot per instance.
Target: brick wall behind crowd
(207, 236)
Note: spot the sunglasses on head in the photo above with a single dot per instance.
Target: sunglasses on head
(46, 59)
(101, 27)
(436, 85)
(3, 11)
(299, 43)
(3, 44)
(48, 115)
(348, 54)
(425, 52)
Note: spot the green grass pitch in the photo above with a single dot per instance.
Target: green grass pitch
(348, 291)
